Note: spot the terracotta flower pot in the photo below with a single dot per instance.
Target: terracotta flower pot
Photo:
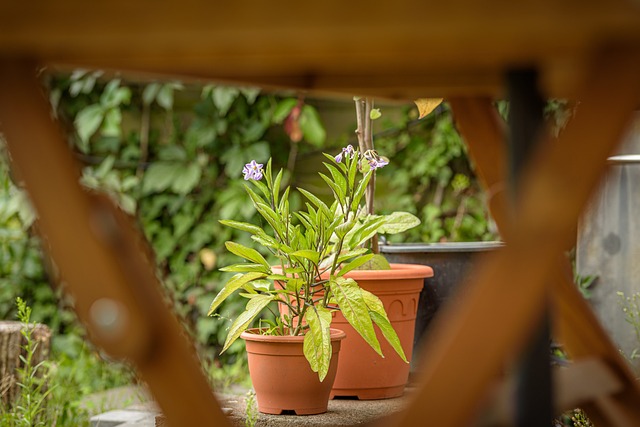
(362, 373)
(282, 377)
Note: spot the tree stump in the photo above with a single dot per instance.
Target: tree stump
(11, 348)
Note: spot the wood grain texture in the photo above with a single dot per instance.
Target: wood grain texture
(402, 49)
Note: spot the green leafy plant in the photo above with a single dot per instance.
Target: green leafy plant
(315, 249)
(29, 409)
(251, 413)
(631, 309)
(573, 418)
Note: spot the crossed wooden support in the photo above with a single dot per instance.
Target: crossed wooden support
(108, 269)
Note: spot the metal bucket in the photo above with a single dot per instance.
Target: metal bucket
(609, 247)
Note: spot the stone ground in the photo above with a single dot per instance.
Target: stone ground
(340, 413)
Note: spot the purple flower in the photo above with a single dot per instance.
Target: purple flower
(374, 160)
(347, 151)
(252, 170)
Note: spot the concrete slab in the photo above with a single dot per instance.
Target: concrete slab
(119, 417)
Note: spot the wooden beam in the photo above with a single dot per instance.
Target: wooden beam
(496, 311)
(483, 130)
(402, 49)
(101, 257)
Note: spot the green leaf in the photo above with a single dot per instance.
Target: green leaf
(311, 126)
(338, 177)
(160, 176)
(316, 201)
(351, 254)
(186, 178)
(294, 285)
(88, 121)
(337, 190)
(375, 114)
(355, 264)
(362, 187)
(114, 95)
(235, 283)
(223, 97)
(317, 341)
(398, 222)
(379, 317)
(246, 268)
(150, 92)
(112, 122)
(352, 305)
(247, 253)
(377, 262)
(244, 226)
(312, 256)
(283, 109)
(250, 93)
(256, 304)
(365, 231)
(164, 96)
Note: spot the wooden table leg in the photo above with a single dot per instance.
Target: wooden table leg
(101, 257)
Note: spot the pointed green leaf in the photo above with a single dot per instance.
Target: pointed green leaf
(377, 262)
(353, 308)
(379, 316)
(317, 341)
(362, 187)
(365, 231)
(88, 121)
(283, 109)
(256, 304)
(337, 190)
(351, 254)
(187, 178)
(311, 126)
(244, 226)
(355, 264)
(223, 97)
(150, 92)
(235, 283)
(312, 256)
(246, 268)
(398, 222)
(247, 253)
(316, 201)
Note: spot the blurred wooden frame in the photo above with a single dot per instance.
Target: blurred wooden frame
(403, 50)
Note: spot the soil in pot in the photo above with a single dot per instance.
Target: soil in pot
(282, 378)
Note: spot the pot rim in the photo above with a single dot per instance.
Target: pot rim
(482, 246)
(251, 335)
(398, 271)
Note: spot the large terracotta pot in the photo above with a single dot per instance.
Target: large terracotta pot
(282, 377)
(362, 373)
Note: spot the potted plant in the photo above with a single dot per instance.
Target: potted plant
(361, 372)
(316, 249)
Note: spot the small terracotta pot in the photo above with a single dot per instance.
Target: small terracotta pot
(282, 377)
(362, 373)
